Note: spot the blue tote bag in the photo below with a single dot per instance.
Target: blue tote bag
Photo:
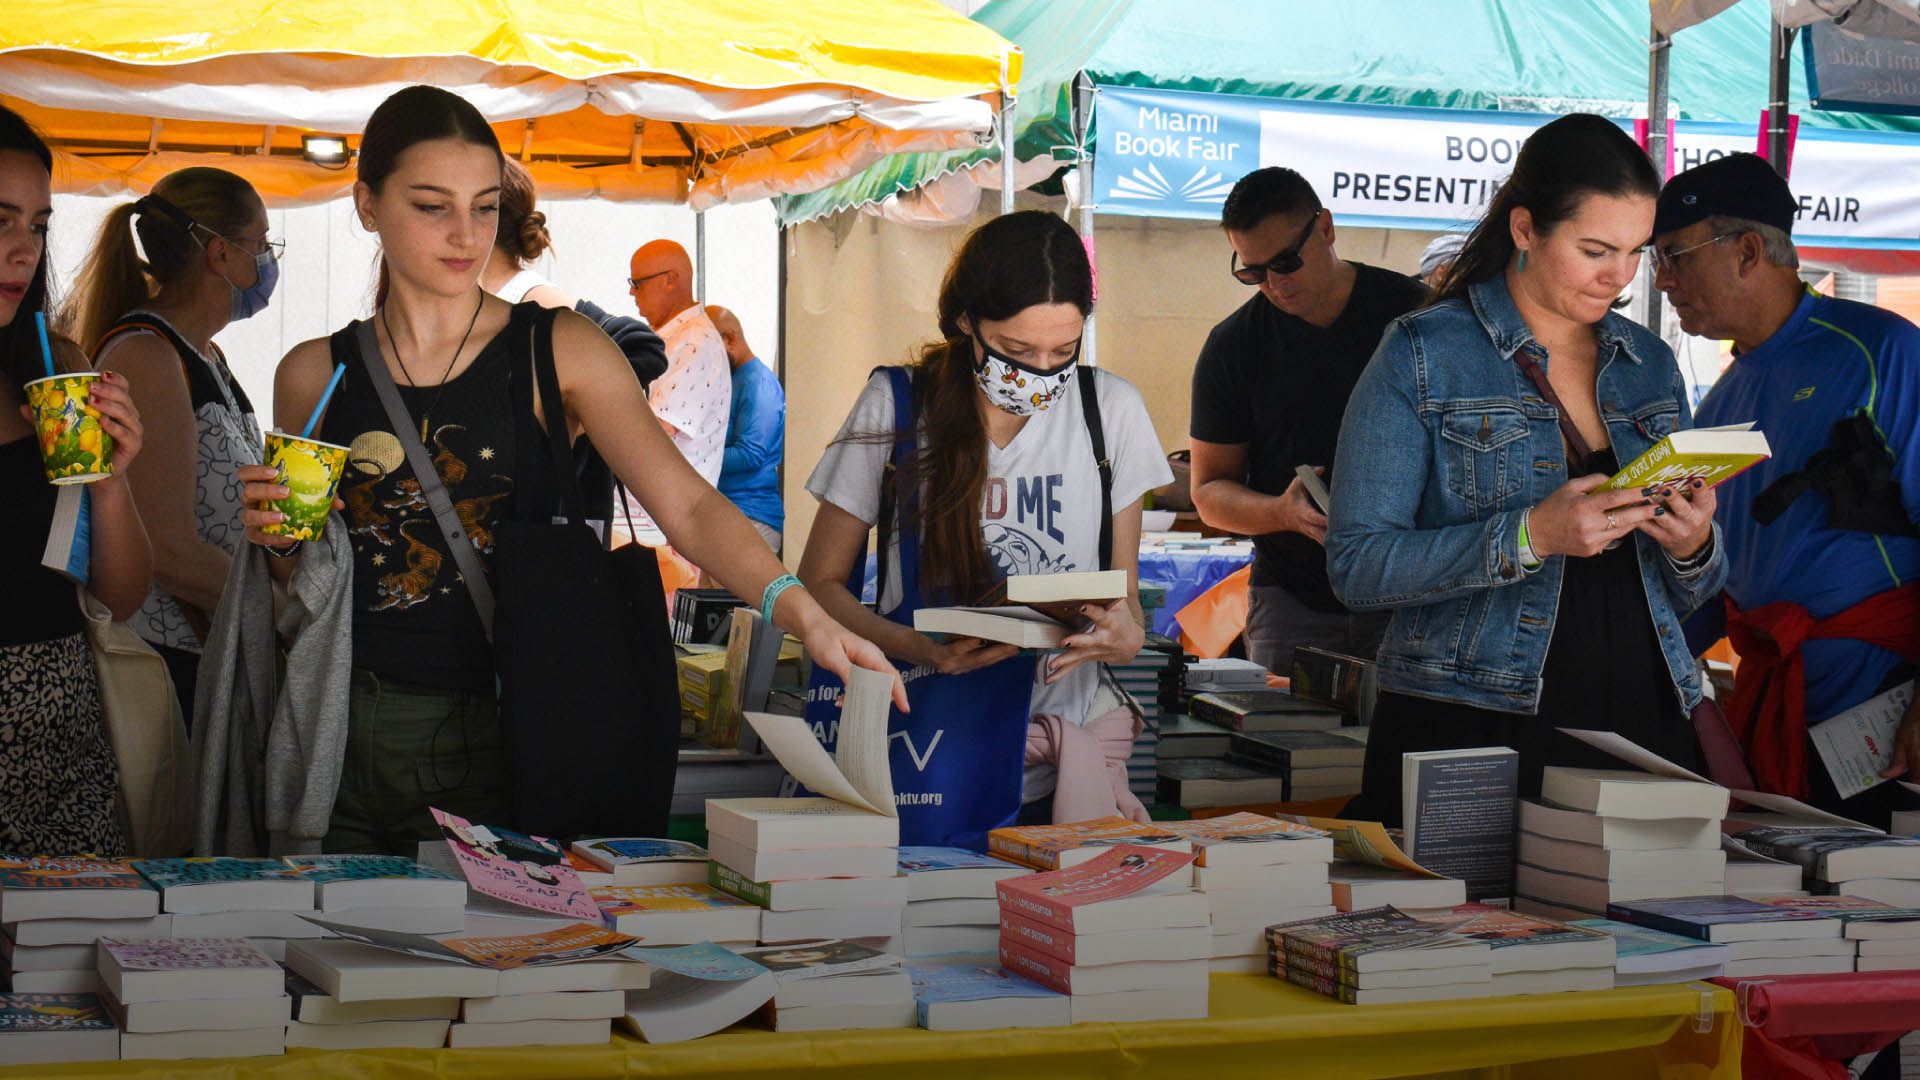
(959, 756)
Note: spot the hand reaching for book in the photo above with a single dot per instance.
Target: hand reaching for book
(1112, 635)
(1906, 745)
(838, 649)
(1298, 514)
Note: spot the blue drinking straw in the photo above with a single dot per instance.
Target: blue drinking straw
(46, 347)
(325, 396)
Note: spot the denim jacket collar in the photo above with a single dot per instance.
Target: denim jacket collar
(1493, 305)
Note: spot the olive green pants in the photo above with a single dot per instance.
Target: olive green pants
(410, 748)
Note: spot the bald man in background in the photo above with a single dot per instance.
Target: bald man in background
(756, 432)
(693, 398)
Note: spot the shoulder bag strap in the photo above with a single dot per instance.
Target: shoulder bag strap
(1090, 405)
(431, 486)
(1568, 431)
(553, 410)
(903, 439)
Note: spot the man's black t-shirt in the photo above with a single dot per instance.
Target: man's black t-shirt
(1280, 385)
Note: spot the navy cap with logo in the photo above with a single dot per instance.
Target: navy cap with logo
(1738, 185)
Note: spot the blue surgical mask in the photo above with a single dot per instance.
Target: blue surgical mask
(253, 299)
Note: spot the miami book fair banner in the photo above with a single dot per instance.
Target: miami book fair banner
(1172, 153)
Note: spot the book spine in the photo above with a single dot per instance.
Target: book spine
(1215, 714)
(1321, 969)
(1255, 755)
(1039, 937)
(727, 880)
(1007, 847)
(1652, 921)
(1033, 906)
(1035, 967)
(1316, 952)
(1324, 987)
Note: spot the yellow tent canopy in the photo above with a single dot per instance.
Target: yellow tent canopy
(702, 101)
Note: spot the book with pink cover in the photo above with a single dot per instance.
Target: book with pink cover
(531, 871)
(1086, 897)
(560, 945)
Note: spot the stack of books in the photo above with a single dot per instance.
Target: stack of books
(1123, 934)
(194, 997)
(1885, 938)
(1836, 856)
(1533, 954)
(324, 1022)
(1360, 886)
(1202, 783)
(951, 905)
(833, 985)
(1314, 764)
(1604, 836)
(385, 891)
(1750, 873)
(966, 992)
(834, 866)
(643, 860)
(257, 899)
(1143, 679)
(695, 990)
(1347, 683)
(1056, 847)
(1255, 871)
(53, 909)
(44, 1029)
(1379, 956)
(570, 1004)
(1644, 956)
(1761, 939)
(1181, 736)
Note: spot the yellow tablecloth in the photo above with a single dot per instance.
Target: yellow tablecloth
(1259, 1028)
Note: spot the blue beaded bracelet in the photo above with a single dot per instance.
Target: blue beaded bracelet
(772, 594)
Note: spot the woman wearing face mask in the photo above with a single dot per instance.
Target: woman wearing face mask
(999, 476)
(208, 262)
(1523, 598)
(423, 725)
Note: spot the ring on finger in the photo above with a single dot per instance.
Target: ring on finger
(1610, 522)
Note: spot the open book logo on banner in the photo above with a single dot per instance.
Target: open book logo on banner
(1206, 185)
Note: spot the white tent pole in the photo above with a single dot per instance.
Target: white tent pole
(700, 255)
(1659, 48)
(1083, 155)
(1006, 152)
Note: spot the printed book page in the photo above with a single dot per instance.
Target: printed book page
(857, 773)
(1364, 842)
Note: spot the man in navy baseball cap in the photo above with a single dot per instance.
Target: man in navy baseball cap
(1821, 534)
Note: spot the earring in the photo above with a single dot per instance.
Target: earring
(1522, 267)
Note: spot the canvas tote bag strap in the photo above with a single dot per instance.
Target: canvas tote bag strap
(434, 491)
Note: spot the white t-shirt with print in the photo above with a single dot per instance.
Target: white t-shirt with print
(695, 395)
(1040, 513)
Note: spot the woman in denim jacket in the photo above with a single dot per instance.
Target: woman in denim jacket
(1464, 493)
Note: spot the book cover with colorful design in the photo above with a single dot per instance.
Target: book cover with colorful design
(1114, 874)
(1715, 454)
(184, 954)
(1041, 846)
(563, 944)
(618, 900)
(531, 871)
(1240, 828)
(818, 959)
(1848, 909)
(170, 873)
(939, 979)
(327, 868)
(62, 873)
(1345, 939)
(922, 860)
(1499, 927)
(705, 961)
(1631, 940)
(1696, 916)
(612, 852)
(52, 1012)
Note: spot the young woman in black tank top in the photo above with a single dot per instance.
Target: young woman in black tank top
(423, 727)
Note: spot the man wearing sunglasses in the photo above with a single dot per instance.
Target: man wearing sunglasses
(1269, 390)
(693, 398)
(1821, 545)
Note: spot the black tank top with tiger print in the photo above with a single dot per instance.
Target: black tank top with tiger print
(413, 620)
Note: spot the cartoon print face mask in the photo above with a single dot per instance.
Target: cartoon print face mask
(1017, 388)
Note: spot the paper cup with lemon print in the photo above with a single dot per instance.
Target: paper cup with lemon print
(310, 471)
(75, 449)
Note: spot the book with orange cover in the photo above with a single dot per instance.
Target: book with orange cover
(1051, 847)
(1245, 839)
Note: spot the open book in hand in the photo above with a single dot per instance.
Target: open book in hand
(1033, 611)
(857, 772)
(1714, 454)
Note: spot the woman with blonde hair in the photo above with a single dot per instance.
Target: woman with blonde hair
(208, 262)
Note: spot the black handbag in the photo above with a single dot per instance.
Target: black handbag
(589, 702)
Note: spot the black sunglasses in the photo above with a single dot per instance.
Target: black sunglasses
(1287, 262)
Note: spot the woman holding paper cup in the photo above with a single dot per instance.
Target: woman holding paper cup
(208, 262)
(424, 727)
(58, 782)
(1524, 598)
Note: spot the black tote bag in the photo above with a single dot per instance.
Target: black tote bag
(589, 703)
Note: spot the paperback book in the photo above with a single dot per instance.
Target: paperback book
(951, 873)
(635, 860)
(1715, 455)
(1124, 888)
(564, 944)
(528, 871)
(53, 888)
(1053, 847)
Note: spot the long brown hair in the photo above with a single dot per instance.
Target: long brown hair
(1005, 266)
(20, 340)
(173, 225)
(1561, 164)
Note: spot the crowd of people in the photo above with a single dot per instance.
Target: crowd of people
(1464, 422)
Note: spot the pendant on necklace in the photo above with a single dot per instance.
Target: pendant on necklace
(423, 428)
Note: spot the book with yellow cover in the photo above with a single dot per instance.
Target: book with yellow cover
(678, 914)
(1714, 454)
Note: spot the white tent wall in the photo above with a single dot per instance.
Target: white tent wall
(326, 278)
(861, 292)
